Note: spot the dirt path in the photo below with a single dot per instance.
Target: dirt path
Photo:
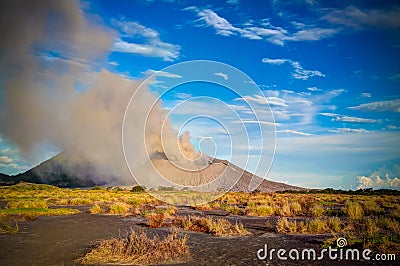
(60, 240)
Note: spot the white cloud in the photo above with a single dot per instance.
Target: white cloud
(222, 75)
(376, 182)
(113, 63)
(349, 130)
(301, 73)
(183, 96)
(380, 106)
(294, 132)
(267, 123)
(329, 114)
(5, 160)
(276, 101)
(354, 17)
(366, 95)
(391, 127)
(233, 2)
(152, 46)
(256, 98)
(313, 89)
(313, 34)
(162, 74)
(274, 61)
(298, 71)
(270, 33)
(353, 119)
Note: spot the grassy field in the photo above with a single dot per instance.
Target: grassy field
(367, 221)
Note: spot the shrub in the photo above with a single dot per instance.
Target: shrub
(218, 227)
(295, 207)
(96, 209)
(316, 226)
(353, 210)
(371, 228)
(317, 210)
(334, 224)
(156, 220)
(372, 207)
(137, 248)
(390, 224)
(259, 211)
(8, 227)
(284, 210)
(285, 226)
(138, 189)
(396, 211)
(118, 208)
(26, 204)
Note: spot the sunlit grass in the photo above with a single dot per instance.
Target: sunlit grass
(138, 248)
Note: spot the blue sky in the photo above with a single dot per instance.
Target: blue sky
(329, 71)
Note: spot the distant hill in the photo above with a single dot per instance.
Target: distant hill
(56, 171)
(61, 171)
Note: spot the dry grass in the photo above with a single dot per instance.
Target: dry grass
(353, 210)
(95, 209)
(119, 208)
(8, 226)
(217, 227)
(259, 210)
(137, 248)
(32, 213)
(317, 210)
(316, 226)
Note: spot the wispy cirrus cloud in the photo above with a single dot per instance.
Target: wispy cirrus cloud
(350, 119)
(298, 71)
(294, 132)
(147, 42)
(162, 74)
(222, 75)
(379, 106)
(266, 31)
(344, 130)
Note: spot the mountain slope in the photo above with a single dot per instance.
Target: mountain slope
(63, 171)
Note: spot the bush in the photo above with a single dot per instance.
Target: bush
(96, 209)
(118, 209)
(371, 207)
(156, 220)
(317, 210)
(27, 204)
(295, 208)
(260, 211)
(353, 210)
(137, 248)
(218, 227)
(285, 226)
(138, 189)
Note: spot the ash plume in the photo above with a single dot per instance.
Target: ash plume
(51, 94)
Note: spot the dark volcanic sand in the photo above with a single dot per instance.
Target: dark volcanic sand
(60, 240)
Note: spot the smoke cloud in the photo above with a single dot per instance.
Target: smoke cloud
(50, 93)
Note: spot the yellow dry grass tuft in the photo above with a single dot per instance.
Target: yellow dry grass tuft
(138, 248)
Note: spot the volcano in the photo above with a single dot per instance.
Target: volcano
(62, 171)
